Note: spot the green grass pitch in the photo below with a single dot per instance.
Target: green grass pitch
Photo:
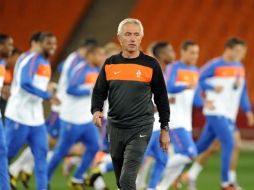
(208, 180)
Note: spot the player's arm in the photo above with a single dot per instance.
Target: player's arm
(207, 71)
(171, 81)
(76, 86)
(246, 106)
(27, 75)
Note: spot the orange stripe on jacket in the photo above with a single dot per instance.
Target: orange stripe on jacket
(44, 70)
(91, 78)
(2, 71)
(8, 77)
(187, 76)
(229, 72)
(130, 72)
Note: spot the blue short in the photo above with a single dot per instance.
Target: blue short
(183, 142)
(53, 125)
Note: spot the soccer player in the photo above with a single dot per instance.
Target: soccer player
(164, 53)
(24, 165)
(76, 120)
(24, 111)
(6, 47)
(26, 156)
(129, 79)
(182, 83)
(225, 104)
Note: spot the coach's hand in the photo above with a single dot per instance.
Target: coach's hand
(97, 118)
(164, 140)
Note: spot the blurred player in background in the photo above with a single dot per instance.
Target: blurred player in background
(235, 51)
(182, 82)
(76, 119)
(222, 79)
(164, 53)
(103, 162)
(9, 69)
(23, 166)
(6, 47)
(24, 112)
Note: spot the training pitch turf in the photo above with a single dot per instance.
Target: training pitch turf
(208, 180)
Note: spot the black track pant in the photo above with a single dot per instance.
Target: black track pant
(127, 147)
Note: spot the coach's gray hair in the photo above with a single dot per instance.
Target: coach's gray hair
(130, 21)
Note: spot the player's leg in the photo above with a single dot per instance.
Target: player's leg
(161, 159)
(68, 136)
(185, 151)
(38, 143)
(90, 139)
(17, 166)
(200, 161)
(235, 156)
(224, 134)
(143, 171)
(4, 176)
(16, 137)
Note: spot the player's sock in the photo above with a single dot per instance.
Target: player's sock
(99, 183)
(17, 166)
(102, 168)
(232, 176)
(28, 166)
(194, 171)
(49, 155)
(141, 178)
(174, 168)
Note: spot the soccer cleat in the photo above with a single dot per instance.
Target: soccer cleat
(94, 177)
(76, 185)
(238, 187)
(13, 182)
(230, 187)
(25, 177)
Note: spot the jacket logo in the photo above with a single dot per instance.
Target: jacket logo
(138, 74)
(116, 73)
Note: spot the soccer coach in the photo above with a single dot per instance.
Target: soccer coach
(128, 80)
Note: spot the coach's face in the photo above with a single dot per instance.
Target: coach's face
(130, 37)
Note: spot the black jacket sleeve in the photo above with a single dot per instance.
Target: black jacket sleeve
(160, 94)
(100, 91)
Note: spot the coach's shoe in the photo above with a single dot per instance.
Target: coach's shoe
(76, 184)
(25, 177)
(13, 182)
